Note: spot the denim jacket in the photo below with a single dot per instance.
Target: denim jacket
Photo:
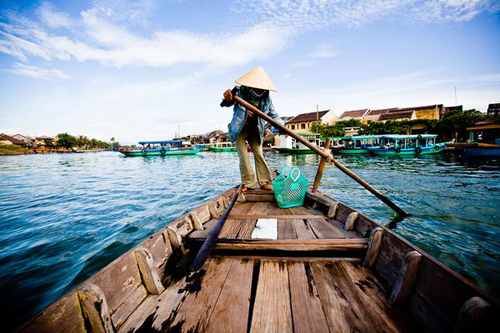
(240, 115)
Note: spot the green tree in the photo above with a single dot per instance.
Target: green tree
(67, 141)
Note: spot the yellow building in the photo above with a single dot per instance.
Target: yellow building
(302, 123)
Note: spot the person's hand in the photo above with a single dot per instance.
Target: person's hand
(228, 96)
(250, 113)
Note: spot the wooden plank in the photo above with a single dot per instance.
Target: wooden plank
(323, 229)
(340, 227)
(247, 227)
(259, 197)
(373, 247)
(275, 216)
(291, 244)
(95, 309)
(407, 276)
(286, 229)
(308, 315)
(205, 232)
(343, 307)
(370, 290)
(194, 313)
(473, 316)
(231, 229)
(149, 274)
(63, 316)
(303, 229)
(242, 208)
(125, 310)
(272, 311)
(230, 313)
(259, 208)
(118, 280)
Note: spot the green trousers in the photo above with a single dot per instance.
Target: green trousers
(247, 174)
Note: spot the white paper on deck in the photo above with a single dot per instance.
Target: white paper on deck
(266, 228)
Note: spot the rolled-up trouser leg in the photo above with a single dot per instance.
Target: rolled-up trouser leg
(263, 172)
(247, 174)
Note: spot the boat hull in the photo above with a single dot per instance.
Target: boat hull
(411, 151)
(223, 150)
(349, 151)
(161, 153)
(482, 151)
(293, 150)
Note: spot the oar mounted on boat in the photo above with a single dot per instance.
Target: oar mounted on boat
(327, 156)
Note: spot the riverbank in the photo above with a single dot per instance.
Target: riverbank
(12, 150)
(65, 216)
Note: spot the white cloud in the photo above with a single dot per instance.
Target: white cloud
(324, 51)
(102, 33)
(53, 18)
(38, 72)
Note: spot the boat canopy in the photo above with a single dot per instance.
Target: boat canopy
(408, 137)
(160, 142)
(308, 134)
(361, 137)
(484, 127)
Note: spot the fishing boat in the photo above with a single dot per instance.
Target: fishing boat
(288, 144)
(320, 267)
(162, 148)
(202, 146)
(484, 141)
(356, 144)
(223, 147)
(419, 144)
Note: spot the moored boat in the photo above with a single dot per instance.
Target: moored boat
(323, 267)
(288, 145)
(484, 141)
(223, 147)
(418, 144)
(356, 144)
(162, 148)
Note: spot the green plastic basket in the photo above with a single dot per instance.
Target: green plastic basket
(290, 188)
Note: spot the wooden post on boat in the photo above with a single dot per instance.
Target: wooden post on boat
(321, 168)
(212, 238)
(322, 153)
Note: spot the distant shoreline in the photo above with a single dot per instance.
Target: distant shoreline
(25, 151)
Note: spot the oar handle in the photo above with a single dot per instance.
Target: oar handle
(322, 153)
(209, 243)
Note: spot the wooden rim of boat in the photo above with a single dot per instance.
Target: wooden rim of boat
(331, 268)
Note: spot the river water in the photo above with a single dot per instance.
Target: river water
(64, 217)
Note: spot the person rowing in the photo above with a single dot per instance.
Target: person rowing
(245, 127)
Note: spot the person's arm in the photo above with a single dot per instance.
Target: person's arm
(228, 97)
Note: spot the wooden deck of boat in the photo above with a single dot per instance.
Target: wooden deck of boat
(246, 292)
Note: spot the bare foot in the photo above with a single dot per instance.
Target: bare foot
(266, 187)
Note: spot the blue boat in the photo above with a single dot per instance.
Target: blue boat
(419, 144)
(484, 141)
(162, 148)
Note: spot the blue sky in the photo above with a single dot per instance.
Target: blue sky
(141, 70)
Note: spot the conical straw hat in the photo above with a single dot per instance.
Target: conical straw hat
(257, 78)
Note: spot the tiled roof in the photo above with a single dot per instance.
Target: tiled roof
(380, 111)
(422, 107)
(354, 114)
(305, 117)
(397, 115)
(11, 139)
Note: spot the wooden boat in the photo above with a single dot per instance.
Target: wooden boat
(321, 267)
(288, 144)
(356, 144)
(419, 144)
(223, 147)
(484, 141)
(162, 148)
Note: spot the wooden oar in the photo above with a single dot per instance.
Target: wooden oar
(214, 234)
(322, 153)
